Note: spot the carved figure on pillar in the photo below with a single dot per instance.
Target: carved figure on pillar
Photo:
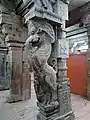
(39, 43)
(43, 19)
(46, 4)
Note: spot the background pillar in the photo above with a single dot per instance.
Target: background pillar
(88, 65)
(86, 21)
(64, 96)
(15, 55)
(13, 30)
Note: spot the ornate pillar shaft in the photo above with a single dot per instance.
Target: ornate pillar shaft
(15, 57)
(88, 58)
(47, 40)
(4, 81)
(86, 21)
(64, 97)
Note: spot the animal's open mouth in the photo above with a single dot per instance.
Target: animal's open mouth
(35, 43)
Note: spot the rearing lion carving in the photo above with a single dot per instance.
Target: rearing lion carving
(41, 36)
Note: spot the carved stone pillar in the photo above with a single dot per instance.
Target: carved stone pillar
(15, 57)
(87, 23)
(4, 81)
(47, 40)
(88, 58)
(13, 30)
(64, 96)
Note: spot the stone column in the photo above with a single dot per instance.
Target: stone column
(13, 30)
(4, 82)
(47, 38)
(64, 96)
(15, 44)
(86, 21)
(88, 65)
(15, 54)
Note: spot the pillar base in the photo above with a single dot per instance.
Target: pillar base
(48, 116)
(55, 116)
(69, 116)
(13, 98)
(53, 113)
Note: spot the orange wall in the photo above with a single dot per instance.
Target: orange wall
(77, 73)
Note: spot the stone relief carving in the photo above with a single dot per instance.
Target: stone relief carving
(39, 44)
(53, 62)
(46, 4)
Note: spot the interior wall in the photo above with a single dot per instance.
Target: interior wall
(77, 62)
(77, 73)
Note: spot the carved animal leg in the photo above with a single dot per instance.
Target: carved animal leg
(54, 99)
(54, 95)
(48, 98)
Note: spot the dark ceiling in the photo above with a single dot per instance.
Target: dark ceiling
(76, 3)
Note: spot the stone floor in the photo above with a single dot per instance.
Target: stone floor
(27, 110)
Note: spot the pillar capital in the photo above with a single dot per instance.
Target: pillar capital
(55, 12)
(11, 19)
